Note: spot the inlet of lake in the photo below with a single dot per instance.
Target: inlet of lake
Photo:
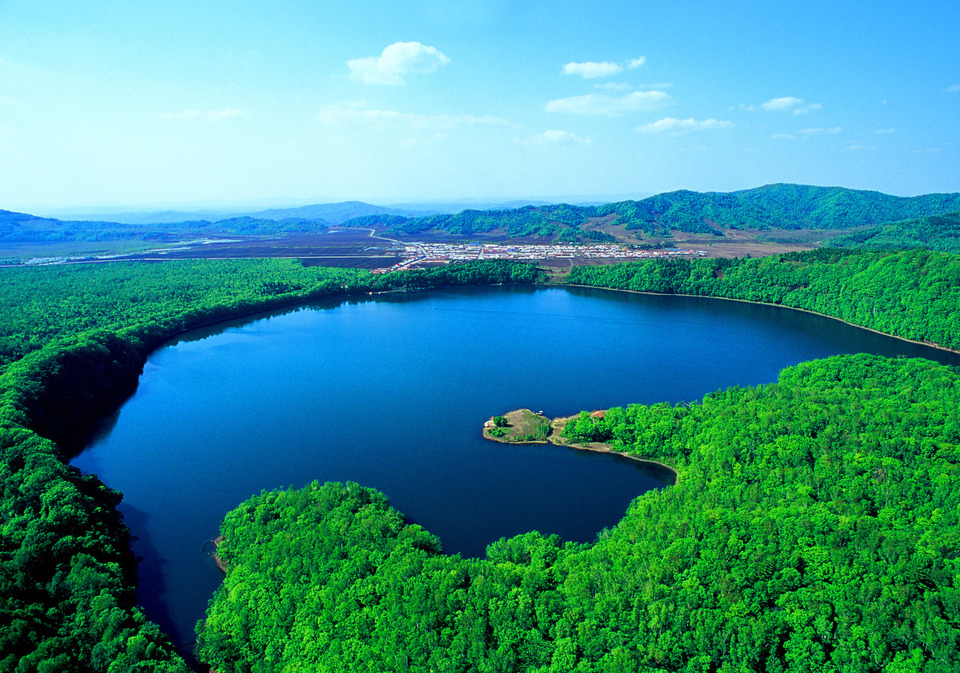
(392, 391)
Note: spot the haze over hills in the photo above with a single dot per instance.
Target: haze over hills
(648, 221)
(330, 213)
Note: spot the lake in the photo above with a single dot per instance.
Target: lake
(392, 391)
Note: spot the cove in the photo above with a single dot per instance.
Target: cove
(391, 392)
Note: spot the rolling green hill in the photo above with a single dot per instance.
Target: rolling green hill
(26, 228)
(779, 206)
(935, 232)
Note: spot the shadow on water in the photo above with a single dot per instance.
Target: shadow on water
(99, 422)
(151, 585)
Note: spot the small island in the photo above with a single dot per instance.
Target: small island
(523, 426)
(518, 427)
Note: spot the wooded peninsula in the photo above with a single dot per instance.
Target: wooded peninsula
(814, 523)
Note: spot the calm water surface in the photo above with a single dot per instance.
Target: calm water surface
(392, 393)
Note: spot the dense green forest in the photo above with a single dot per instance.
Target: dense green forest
(814, 527)
(913, 294)
(771, 207)
(72, 336)
(936, 232)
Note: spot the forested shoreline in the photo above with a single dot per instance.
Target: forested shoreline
(912, 294)
(813, 527)
(71, 335)
(69, 338)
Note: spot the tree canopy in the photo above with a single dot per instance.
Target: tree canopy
(813, 526)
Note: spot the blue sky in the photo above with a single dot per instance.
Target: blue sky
(176, 104)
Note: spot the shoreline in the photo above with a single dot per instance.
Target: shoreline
(553, 437)
(215, 555)
(930, 344)
(557, 424)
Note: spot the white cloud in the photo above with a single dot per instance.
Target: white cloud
(553, 136)
(784, 103)
(953, 89)
(210, 115)
(884, 132)
(610, 106)
(671, 125)
(591, 69)
(809, 107)
(783, 136)
(397, 60)
(820, 132)
(861, 148)
(797, 105)
(359, 113)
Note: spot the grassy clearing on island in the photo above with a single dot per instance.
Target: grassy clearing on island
(518, 427)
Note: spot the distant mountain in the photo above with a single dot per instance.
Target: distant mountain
(26, 228)
(337, 213)
(145, 217)
(434, 208)
(780, 206)
(330, 213)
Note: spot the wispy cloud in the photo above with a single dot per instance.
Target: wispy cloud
(553, 136)
(784, 103)
(591, 69)
(610, 106)
(396, 61)
(820, 131)
(209, 115)
(675, 126)
(861, 148)
(797, 105)
(594, 69)
(884, 132)
(809, 107)
(359, 113)
(953, 89)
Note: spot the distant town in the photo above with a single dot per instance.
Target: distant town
(415, 254)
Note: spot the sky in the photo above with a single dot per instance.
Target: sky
(145, 104)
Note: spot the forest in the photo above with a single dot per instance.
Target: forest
(779, 206)
(935, 232)
(74, 337)
(813, 526)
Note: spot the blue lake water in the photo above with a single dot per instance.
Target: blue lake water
(392, 391)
